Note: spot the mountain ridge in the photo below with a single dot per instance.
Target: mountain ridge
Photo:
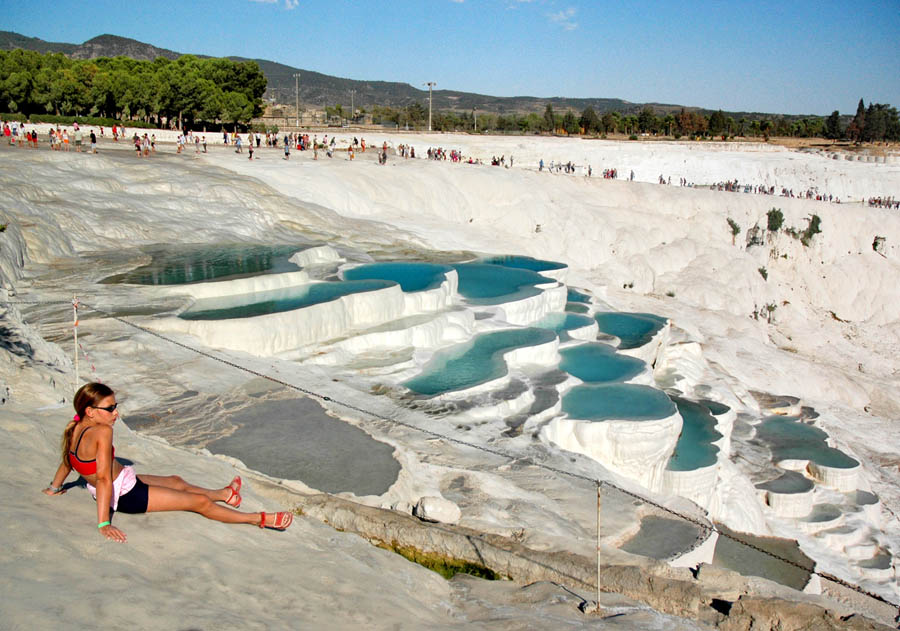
(317, 89)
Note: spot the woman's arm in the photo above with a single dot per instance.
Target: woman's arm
(55, 486)
(103, 435)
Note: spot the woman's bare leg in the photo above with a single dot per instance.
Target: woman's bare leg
(177, 483)
(162, 498)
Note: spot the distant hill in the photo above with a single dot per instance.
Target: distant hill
(10, 40)
(320, 89)
(100, 46)
(317, 89)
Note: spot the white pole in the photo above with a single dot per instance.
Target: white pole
(75, 331)
(599, 507)
(297, 95)
(430, 85)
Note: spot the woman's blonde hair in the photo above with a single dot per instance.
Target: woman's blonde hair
(87, 396)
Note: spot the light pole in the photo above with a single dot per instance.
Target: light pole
(430, 85)
(297, 95)
(475, 114)
(352, 111)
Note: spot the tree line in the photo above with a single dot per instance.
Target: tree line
(187, 90)
(878, 122)
(190, 90)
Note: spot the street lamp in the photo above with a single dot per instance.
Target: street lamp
(430, 85)
(352, 111)
(297, 95)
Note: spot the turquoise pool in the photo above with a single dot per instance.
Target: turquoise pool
(577, 307)
(573, 295)
(634, 329)
(524, 262)
(789, 439)
(486, 284)
(790, 482)
(618, 401)
(179, 265)
(694, 448)
(560, 322)
(599, 363)
(475, 362)
(277, 301)
(715, 407)
(410, 276)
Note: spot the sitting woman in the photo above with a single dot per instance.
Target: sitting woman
(87, 447)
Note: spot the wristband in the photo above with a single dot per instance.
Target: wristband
(103, 524)
(55, 489)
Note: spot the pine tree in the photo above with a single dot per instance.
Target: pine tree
(589, 120)
(833, 126)
(549, 119)
(857, 126)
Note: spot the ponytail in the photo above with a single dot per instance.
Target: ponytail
(67, 437)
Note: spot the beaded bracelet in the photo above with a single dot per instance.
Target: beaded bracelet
(103, 524)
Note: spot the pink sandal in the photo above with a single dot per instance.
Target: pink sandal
(235, 487)
(282, 520)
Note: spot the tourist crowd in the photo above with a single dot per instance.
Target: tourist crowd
(884, 202)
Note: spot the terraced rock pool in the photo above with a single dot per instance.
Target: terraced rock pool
(410, 276)
(179, 265)
(634, 329)
(618, 401)
(475, 362)
(277, 301)
(599, 363)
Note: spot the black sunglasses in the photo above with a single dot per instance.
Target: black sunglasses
(109, 408)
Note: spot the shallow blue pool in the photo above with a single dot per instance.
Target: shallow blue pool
(179, 265)
(789, 439)
(694, 448)
(577, 307)
(715, 407)
(524, 262)
(276, 301)
(486, 284)
(599, 363)
(789, 482)
(477, 361)
(410, 276)
(573, 295)
(560, 322)
(620, 401)
(634, 329)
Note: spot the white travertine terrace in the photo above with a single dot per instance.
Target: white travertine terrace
(587, 333)
(833, 339)
(638, 450)
(529, 310)
(236, 287)
(444, 328)
(318, 255)
(546, 354)
(276, 333)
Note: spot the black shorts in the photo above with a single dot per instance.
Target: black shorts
(135, 500)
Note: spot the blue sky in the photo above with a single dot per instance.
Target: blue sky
(794, 56)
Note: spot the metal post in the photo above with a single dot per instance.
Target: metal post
(352, 111)
(475, 114)
(599, 508)
(75, 332)
(297, 95)
(430, 85)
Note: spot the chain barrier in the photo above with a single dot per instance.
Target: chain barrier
(496, 452)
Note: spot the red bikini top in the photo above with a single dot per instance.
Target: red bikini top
(84, 467)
